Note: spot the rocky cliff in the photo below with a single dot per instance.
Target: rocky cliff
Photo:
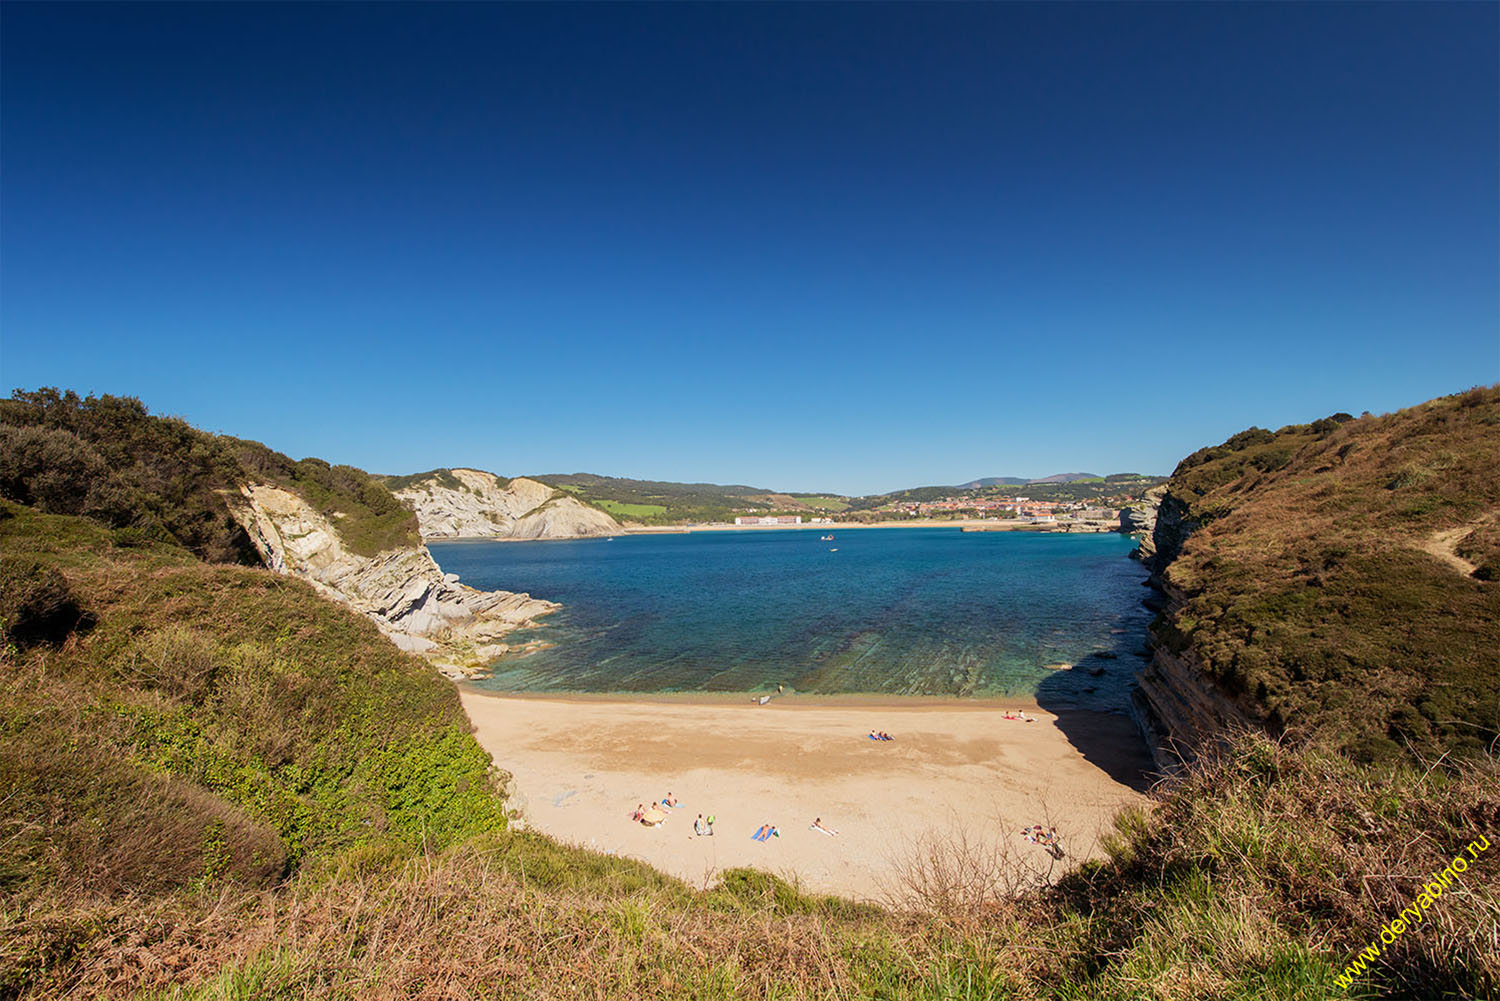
(470, 503)
(422, 610)
(1330, 582)
(1177, 703)
(1140, 519)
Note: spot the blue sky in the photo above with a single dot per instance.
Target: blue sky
(846, 247)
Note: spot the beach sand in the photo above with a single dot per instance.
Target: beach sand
(580, 764)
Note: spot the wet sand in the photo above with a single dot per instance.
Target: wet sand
(581, 764)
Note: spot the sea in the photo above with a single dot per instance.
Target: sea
(892, 611)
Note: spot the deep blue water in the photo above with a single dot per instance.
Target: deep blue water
(901, 611)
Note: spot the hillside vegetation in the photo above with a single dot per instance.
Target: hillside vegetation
(1319, 584)
(655, 502)
(110, 459)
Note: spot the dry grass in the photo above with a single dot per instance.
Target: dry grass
(1307, 595)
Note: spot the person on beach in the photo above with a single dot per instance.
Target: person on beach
(817, 825)
(872, 735)
(670, 802)
(762, 833)
(640, 813)
(699, 827)
(710, 824)
(886, 736)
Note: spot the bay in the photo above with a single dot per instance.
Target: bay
(919, 611)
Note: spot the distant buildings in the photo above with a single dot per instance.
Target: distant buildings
(780, 519)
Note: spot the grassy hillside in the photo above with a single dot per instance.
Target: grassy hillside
(1320, 586)
(159, 478)
(654, 502)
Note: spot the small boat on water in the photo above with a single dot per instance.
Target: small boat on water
(827, 538)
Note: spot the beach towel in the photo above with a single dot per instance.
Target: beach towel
(820, 830)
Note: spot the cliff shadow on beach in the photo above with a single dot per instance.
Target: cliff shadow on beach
(1091, 700)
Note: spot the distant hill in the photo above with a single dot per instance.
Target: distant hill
(994, 481)
(1018, 481)
(1067, 478)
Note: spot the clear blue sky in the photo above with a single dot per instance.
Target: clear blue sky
(849, 247)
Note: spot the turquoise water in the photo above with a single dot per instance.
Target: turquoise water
(900, 611)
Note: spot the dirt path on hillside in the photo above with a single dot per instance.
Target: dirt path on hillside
(1441, 544)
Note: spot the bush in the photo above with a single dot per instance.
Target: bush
(37, 605)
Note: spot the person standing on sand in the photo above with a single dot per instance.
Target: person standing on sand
(698, 826)
(710, 823)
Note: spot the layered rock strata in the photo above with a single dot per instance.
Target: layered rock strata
(1140, 520)
(482, 506)
(404, 591)
(1180, 707)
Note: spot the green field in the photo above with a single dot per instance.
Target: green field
(622, 510)
(824, 502)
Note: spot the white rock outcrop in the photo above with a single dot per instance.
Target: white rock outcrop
(485, 507)
(403, 590)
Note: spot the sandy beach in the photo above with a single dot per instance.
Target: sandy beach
(581, 764)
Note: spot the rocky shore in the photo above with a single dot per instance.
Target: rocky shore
(460, 629)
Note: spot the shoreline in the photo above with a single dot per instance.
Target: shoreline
(967, 524)
(580, 763)
(789, 700)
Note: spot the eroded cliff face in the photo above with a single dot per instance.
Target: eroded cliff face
(458, 628)
(1140, 519)
(483, 507)
(1180, 707)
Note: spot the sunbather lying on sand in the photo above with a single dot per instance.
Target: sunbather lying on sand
(817, 825)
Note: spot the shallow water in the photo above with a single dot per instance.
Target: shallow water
(899, 611)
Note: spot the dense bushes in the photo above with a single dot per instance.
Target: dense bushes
(108, 458)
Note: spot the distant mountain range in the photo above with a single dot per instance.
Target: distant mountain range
(1017, 481)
